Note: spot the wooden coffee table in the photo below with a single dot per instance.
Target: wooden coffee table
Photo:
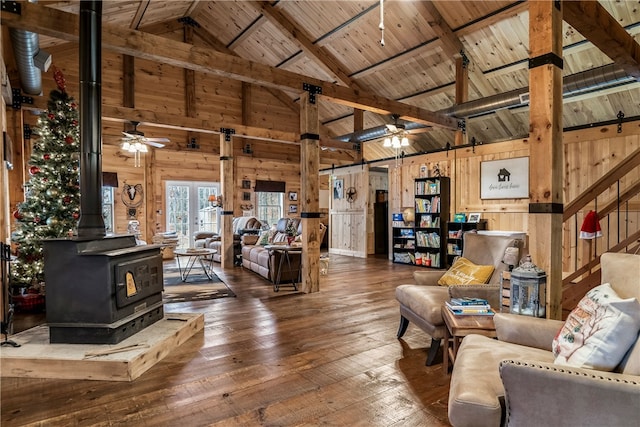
(459, 327)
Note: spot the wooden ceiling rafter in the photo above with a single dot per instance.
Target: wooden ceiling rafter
(454, 47)
(595, 23)
(137, 18)
(281, 96)
(322, 57)
(55, 23)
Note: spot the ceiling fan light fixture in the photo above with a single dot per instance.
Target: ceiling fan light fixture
(387, 142)
(126, 146)
(395, 141)
(405, 142)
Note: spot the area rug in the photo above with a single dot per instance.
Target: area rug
(198, 287)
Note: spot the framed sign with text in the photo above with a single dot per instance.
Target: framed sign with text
(505, 179)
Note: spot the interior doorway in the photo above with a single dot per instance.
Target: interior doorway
(189, 209)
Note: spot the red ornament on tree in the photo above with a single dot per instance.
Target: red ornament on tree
(73, 105)
(17, 214)
(75, 215)
(34, 170)
(66, 199)
(51, 116)
(68, 140)
(36, 219)
(74, 122)
(47, 156)
(60, 80)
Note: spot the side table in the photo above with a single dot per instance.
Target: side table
(459, 327)
(201, 255)
(286, 252)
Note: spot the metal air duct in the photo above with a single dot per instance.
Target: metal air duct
(586, 81)
(26, 49)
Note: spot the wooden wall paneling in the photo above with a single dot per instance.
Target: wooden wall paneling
(112, 161)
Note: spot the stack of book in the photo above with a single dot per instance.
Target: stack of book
(469, 307)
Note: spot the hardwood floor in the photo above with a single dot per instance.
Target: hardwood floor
(265, 358)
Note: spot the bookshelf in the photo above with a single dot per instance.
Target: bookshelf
(455, 231)
(403, 243)
(431, 197)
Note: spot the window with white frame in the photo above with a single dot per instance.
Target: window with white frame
(270, 207)
(107, 209)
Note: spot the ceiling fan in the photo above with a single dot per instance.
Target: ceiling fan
(135, 142)
(135, 136)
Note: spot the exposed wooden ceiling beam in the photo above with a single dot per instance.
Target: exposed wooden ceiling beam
(51, 22)
(203, 124)
(593, 21)
(158, 28)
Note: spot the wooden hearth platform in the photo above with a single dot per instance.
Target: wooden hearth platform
(125, 361)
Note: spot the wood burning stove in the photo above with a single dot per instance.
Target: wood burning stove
(101, 291)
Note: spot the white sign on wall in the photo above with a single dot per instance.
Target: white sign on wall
(505, 179)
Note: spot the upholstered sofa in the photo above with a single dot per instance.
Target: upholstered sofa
(241, 225)
(516, 380)
(256, 257)
(421, 303)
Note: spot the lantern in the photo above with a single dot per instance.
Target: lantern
(528, 289)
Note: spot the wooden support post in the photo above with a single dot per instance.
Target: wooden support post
(310, 200)
(462, 93)
(358, 124)
(150, 196)
(18, 175)
(226, 185)
(545, 146)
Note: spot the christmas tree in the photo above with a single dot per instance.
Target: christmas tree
(52, 195)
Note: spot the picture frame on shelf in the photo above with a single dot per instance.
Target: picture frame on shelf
(293, 196)
(293, 208)
(459, 217)
(474, 217)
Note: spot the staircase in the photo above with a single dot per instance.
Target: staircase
(613, 198)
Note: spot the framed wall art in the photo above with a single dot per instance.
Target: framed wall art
(505, 179)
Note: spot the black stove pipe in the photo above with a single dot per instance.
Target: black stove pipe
(91, 223)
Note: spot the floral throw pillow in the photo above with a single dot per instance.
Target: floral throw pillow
(599, 331)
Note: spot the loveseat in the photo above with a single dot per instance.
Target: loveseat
(517, 379)
(256, 257)
(241, 225)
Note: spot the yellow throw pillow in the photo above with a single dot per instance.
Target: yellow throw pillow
(464, 272)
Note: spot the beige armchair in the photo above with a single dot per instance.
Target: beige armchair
(421, 303)
(514, 381)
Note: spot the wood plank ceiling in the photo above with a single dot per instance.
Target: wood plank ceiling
(339, 41)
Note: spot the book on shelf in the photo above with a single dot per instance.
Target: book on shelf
(468, 301)
(472, 312)
(468, 308)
